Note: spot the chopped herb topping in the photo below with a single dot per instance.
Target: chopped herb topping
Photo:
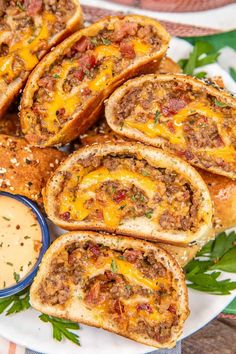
(105, 41)
(5, 218)
(149, 213)
(113, 266)
(9, 263)
(156, 117)
(220, 104)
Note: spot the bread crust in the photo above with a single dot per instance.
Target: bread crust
(25, 169)
(159, 141)
(153, 156)
(80, 121)
(13, 89)
(72, 309)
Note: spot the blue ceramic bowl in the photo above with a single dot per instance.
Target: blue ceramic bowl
(27, 280)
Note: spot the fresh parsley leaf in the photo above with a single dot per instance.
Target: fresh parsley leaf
(20, 5)
(202, 54)
(228, 262)
(94, 41)
(149, 213)
(15, 303)
(220, 104)
(113, 266)
(56, 76)
(221, 254)
(61, 328)
(156, 117)
(201, 74)
(105, 41)
(232, 72)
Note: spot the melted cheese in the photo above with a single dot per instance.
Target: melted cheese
(128, 270)
(103, 78)
(141, 48)
(25, 50)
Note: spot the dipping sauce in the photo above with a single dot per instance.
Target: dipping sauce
(20, 241)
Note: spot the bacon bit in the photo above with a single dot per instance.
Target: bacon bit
(85, 91)
(145, 307)
(74, 256)
(127, 50)
(60, 113)
(173, 106)
(79, 74)
(127, 28)
(171, 127)
(94, 249)
(121, 195)
(65, 216)
(33, 7)
(118, 307)
(82, 45)
(132, 255)
(93, 295)
(87, 61)
(172, 309)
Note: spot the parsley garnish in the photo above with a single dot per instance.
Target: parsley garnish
(156, 117)
(20, 5)
(5, 218)
(144, 173)
(203, 54)
(105, 41)
(220, 104)
(56, 76)
(61, 328)
(113, 266)
(94, 41)
(149, 213)
(219, 254)
(15, 303)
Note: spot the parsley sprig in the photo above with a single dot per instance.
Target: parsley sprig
(202, 54)
(61, 328)
(218, 254)
(15, 303)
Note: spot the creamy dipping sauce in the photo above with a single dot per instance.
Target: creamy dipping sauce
(20, 241)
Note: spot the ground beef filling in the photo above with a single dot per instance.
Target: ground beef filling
(111, 290)
(179, 202)
(18, 17)
(199, 131)
(85, 65)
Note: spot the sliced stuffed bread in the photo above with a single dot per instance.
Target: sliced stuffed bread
(132, 189)
(65, 93)
(126, 286)
(191, 118)
(28, 30)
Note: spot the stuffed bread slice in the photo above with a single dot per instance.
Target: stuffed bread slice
(132, 189)
(65, 93)
(126, 286)
(181, 114)
(28, 30)
(25, 169)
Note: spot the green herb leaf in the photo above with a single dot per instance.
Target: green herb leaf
(149, 213)
(15, 303)
(113, 266)
(5, 218)
(221, 254)
(201, 74)
(156, 117)
(61, 328)
(232, 72)
(228, 262)
(105, 41)
(20, 5)
(202, 54)
(56, 76)
(94, 41)
(220, 104)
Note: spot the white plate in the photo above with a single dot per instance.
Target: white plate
(26, 329)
